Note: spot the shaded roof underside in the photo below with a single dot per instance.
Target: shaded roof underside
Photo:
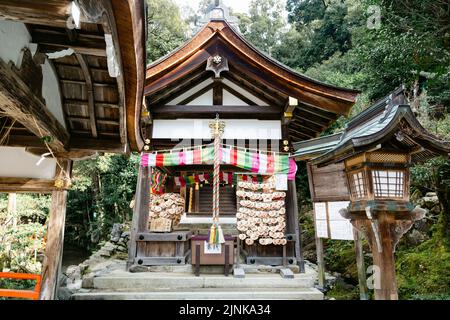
(98, 109)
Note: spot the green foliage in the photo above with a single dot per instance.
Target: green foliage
(166, 29)
(22, 233)
(423, 271)
(100, 196)
(264, 25)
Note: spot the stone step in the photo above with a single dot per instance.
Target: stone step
(207, 294)
(151, 281)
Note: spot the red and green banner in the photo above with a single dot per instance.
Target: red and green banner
(259, 162)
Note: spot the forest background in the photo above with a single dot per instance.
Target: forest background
(371, 45)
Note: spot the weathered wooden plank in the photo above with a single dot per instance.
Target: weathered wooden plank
(320, 262)
(50, 12)
(82, 45)
(297, 228)
(172, 236)
(107, 145)
(161, 261)
(140, 212)
(27, 185)
(320, 186)
(55, 240)
(359, 252)
(18, 101)
(272, 261)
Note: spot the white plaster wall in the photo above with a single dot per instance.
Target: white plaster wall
(51, 92)
(234, 129)
(231, 100)
(190, 92)
(205, 99)
(14, 37)
(245, 93)
(17, 163)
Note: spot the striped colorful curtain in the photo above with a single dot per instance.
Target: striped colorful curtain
(254, 161)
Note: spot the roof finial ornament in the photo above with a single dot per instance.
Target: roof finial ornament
(218, 11)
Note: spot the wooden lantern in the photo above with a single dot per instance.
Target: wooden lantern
(378, 175)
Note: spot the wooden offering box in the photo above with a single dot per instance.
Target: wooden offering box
(203, 255)
(163, 249)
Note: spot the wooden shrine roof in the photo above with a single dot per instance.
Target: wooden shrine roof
(101, 112)
(319, 104)
(389, 122)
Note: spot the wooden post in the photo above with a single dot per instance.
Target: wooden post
(55, 239)
(385, 287)
(298, 244)
(363, 292)
(54, 246)
(12, 207)
(383, 231)
(140, 212)
(320, 262)
(197, 198)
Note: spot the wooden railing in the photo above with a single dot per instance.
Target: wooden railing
(25, 294)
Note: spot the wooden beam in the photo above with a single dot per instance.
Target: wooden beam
(105, 145)
(19, 102)
(218, 92)
(27, 185)
(304, 128)
(99, 120)
(49, 12)
(289, 108)
(263, 92)
(90, 92)
(55, 240)
(318, 112)
(184, 111)
(300, 133)
(84, 103)
(302, 115)
(175, 89)
(82, 45)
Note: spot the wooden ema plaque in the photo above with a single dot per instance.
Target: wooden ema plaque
(160, 225)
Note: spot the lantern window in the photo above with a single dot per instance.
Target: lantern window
(358, 185)
(388, 183)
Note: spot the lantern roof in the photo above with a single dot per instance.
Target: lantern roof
(389, 124)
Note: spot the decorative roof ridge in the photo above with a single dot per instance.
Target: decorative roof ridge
(402, 111)
(376, 108)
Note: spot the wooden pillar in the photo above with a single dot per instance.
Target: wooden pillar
(54, 246)
(140, 212)
(383, 231)
(197, 198)
(292, 190)
(385, 287)
(12, 208)
(55, 239)
(363, 293)
(320, 262)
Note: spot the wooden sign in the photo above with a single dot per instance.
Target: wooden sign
(329, 223)
(160, 225)
(328, 183)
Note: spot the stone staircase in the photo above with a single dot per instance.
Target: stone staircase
(122, 285)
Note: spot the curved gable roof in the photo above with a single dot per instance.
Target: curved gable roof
(220, 34)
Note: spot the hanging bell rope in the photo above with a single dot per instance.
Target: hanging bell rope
(216, 233)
